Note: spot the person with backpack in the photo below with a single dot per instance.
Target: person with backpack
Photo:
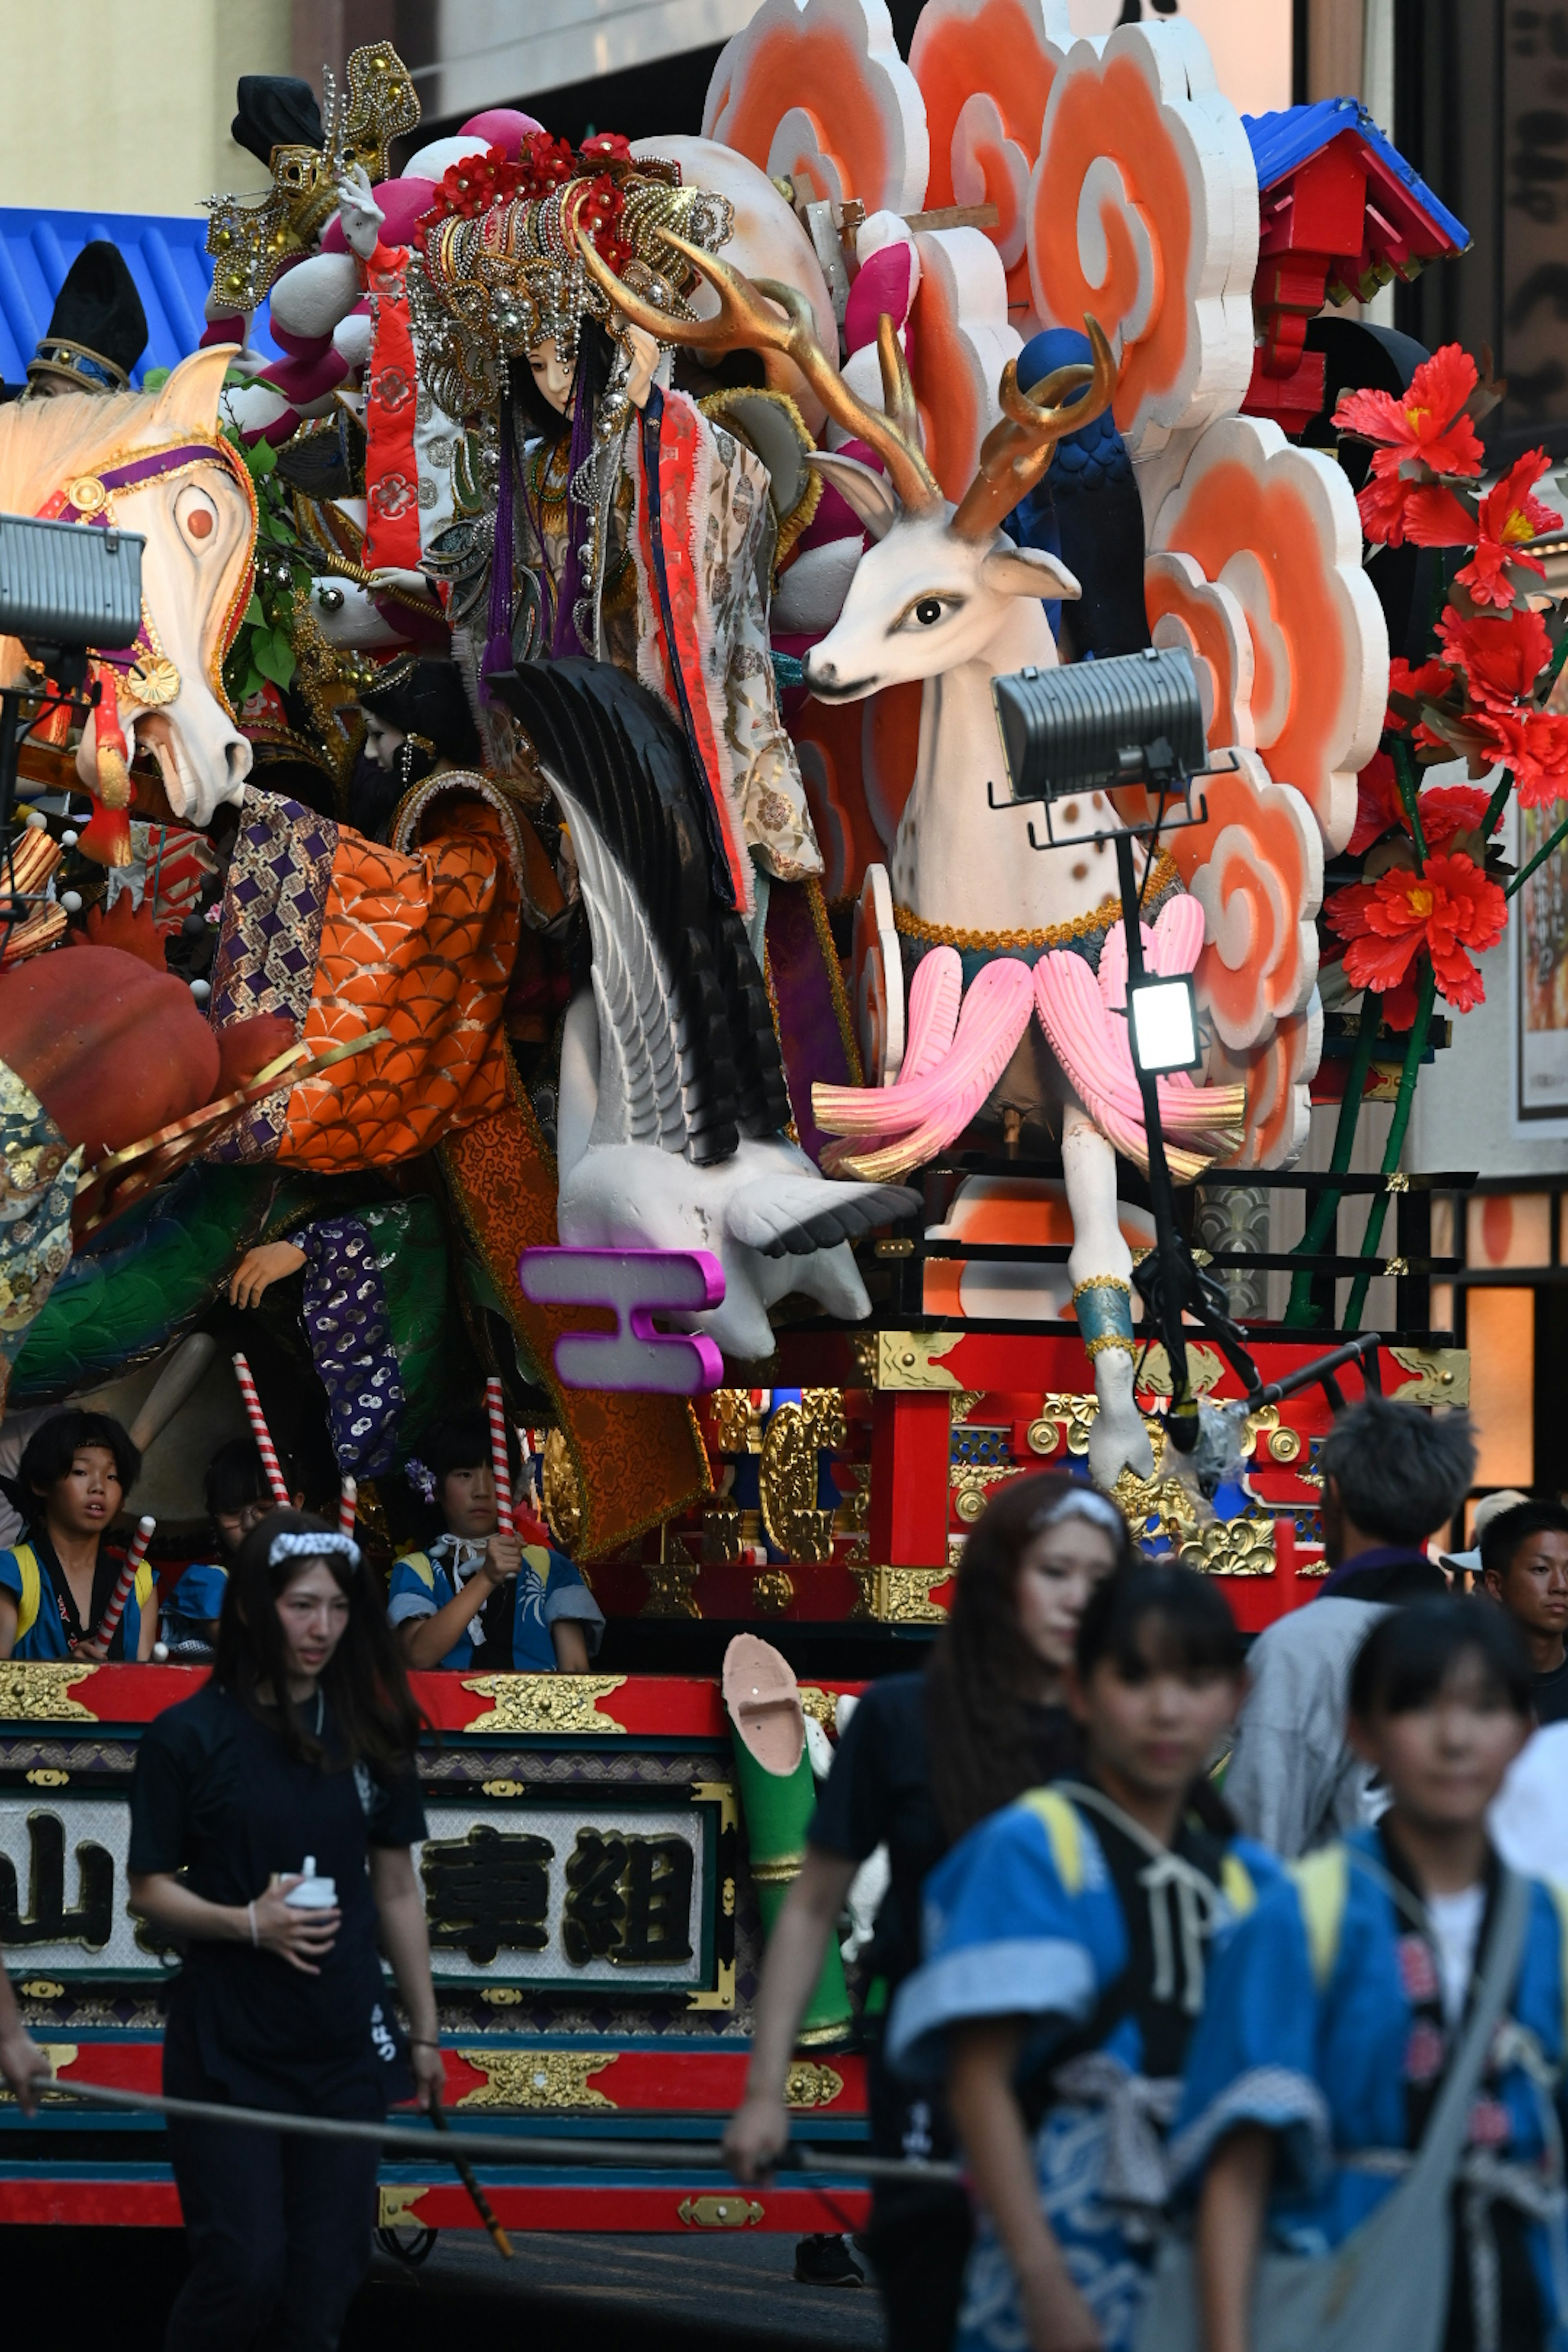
(1066, 1945)
(1372, 2113)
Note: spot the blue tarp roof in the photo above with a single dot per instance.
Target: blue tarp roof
(166, 257)
(1282, 141)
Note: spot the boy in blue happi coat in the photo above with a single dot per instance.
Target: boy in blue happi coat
(1337, 2007)
(480, 1595)
(1067, 1946)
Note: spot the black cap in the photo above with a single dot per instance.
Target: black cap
(97, 329)
(275, 111)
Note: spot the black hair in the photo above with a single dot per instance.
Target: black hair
(1410, 1654)
(1401, 1473)
(983, 1682)
(56, 1443)
(461, 1441)
(1502, 1536)
(236, 1477)
(365, 1681)
(533, 418)
(429, 700)
(1186, 1615)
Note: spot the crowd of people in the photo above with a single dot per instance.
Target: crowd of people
(1217, 1973)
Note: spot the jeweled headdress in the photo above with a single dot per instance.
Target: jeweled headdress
(502, 272)
(251, 242)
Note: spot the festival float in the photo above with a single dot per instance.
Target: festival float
(731, 1026)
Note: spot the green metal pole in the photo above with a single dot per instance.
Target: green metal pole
(1425, 996)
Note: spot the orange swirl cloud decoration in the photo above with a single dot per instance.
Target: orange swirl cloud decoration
(1256, 867)
(820, 95)
(1143, 210)
(959, 343)
(1278, 1079)
(1276, 527)
(984, 69)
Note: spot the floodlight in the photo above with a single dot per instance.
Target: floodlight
(66, 586)
(1163, 1025)
(1132, 720)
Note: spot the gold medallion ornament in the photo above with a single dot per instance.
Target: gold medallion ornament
(153, 681)
(809, 2083)
(86, 494)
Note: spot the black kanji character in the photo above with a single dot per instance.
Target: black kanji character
(487, 1893)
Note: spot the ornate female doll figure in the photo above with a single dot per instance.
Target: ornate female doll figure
(627, 527)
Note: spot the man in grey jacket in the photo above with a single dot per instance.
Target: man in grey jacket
(1392, 1476)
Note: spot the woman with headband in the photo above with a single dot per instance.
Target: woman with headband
(924, 1757)
(272, 1816)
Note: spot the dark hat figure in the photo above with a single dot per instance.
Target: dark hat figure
(98, 330)
(275, 111)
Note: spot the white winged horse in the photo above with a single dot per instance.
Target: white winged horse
(186, 492)
(944, 596)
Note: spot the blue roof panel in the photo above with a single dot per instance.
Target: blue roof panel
(166, 257)
(1281, 142)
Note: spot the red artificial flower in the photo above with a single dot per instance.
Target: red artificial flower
(1378, 806)
(1394, 509)
(1428, 423)
(1534, 744)
(1449, 909)
(1509, 519)
(1502, 658)
(1448, 810)
(1428, 683)
(606, 147)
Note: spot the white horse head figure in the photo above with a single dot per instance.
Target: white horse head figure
(188, 493)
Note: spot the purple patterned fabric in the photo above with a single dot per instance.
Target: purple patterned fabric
(274, 903)
(350, 1332)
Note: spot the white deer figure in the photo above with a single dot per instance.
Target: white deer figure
(943, 597)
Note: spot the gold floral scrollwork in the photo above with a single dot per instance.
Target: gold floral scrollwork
(787, 1475)
(772, 1592)
(1205, 1369)
(809, 2083)
(1432, 1375)
(1075, 1413)
(1164, 1500)
(970, 1487)
(536, 2078)
(735, 1420)
(731, 2213)
(562, 1496)
(821, 1705)
(58, 2055)
(900, 1596)
(40, 1693)
(554, 1702)
(671, 1589)
(1242, 1547)
(720, 1533)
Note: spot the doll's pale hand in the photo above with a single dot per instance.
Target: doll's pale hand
(361, 215)
(301, 1937)
(25, 2067)
(645, 365)
(755, 2137)
(259, 1269)
(396, 575)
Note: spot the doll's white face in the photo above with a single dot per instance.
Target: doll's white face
(383, 741)
(551, 373)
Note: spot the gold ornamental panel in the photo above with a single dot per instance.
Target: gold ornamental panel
(809, 2083)
(900, 1596)
(732, 2212)
(1432, 1375)
(40, 1692)
(913, 1359)
(536, 2078)
(552, 1703)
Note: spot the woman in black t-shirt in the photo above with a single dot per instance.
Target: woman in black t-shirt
(923, 1759)
(292, 1768)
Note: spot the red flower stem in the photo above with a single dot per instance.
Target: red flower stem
(1320, 1231)
(1409, 793)
(1542, 854)
(1426, 997)
(1498, 800)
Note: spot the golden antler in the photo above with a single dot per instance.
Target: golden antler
(744, 321)
(1017, 451)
